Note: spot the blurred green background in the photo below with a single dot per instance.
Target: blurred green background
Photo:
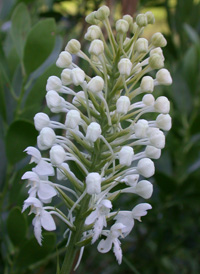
(32, 33)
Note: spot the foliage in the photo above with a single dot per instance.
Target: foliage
(168, 241)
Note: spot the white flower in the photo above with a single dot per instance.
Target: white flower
(164, 121)
(93, 132)
(126, 155)
(147, 84)
(98, 217)
(42, 219)
(66, 77)
(123, 104)
(64, 60)
(156, 137)
(141, 128)
(152, 152)
(122, 26)
(96, 84)
(47, 138)
(57, 155)
(146, 167)
(41, 120)
(73, 46)
(141, 45)
(93, 183)
(96, 47)
(112, 239)
(73, 119)
(53, 83)
(163, 77)
(77, 76)
(40, 186)
(42, 167)
(140, 210)
(125, 66)
(125, 218)
(131, 180)
(148, 99)
(162, 105)
(93, 32)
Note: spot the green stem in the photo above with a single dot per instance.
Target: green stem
(72, 249)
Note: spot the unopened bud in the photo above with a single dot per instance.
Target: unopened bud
(158, 40)
(93, 183)
(141, 128)
(123, 104)
(144, 189)
(163, 77)
(150, 17)
(141, 20)
(57, 155)
(122, 26)
(76, 99)
(96, 84)
(96, 47)
(102, 13)
(91, 19)
(73, 46)
(133, 28)
(156, 137)
(93, 132)
(147, 84)
(77, 76)
(162, 105)
(148, 99)
(152, 152)
(164, 121)
(53, 83)
(47, 137)
(141, 45)
(128, 18)
(126, 156)
(64, 60)
(156, 61)
(146, 167)
(125, 66)
(53, 99)
(73, 119)
(93, 32)
(41, 120)
(66, 77)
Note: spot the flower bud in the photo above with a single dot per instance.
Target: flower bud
(57, 155)
(141, 45)
(96, 47)
(122, 26)
(125, 66)
(41, 120)
(131, 180)
(148, 99)
(156, 137)
(126, 41)
(91, 19)
(93, 132)
(133, 28)
(60, 174)
(147, 84)
(77, 76)
(126, 156)
(73, 119)
(144, 189)
(150, 17)
(93, 32)
(158, 40)
(164, 121)
(102, 13)
(64, 60)
(66, 77)
(73, 46)
(123, 104)
(128, 18)
(76, 99)
(157, 51)
(96, 84)
(141, 128)
(146, 167)
(156, 61)
(163, 77)
(47, 137)
(53, 83)
(141, 20)
(152, 152)
(53, 99)
(93, 183)
(162, 105)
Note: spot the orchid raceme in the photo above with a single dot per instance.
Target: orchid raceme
(106, 134)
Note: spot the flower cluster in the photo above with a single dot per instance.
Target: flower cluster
(106, 134)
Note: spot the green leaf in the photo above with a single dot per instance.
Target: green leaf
(16, 226)
(20, 134)
(32, 252)
(21, 24)
(39, 44)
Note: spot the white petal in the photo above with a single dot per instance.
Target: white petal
(31, 201)
(98, 226)
(105, 245)
(144, 189)
(35, 153)
(37, 229)
(30, 175)
(44, 168)
(117, 250)
(91, 218)
(106, 203)
(47, 221)
(140, 210)
(46, 191)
